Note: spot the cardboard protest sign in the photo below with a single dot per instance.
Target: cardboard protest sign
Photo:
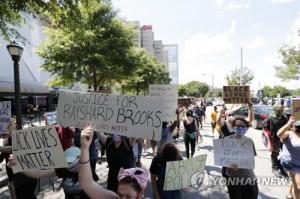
(132, 116)
(37, 148)
(179, 173)
(236, 94)
(296, 108)
(236, 151)
(5, 115)
(170, 92)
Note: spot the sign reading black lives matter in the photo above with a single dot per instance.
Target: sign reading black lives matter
(179, 173)
(170, 92)
(229, 151)
(132, 116)
(236, 94)
(37, 148)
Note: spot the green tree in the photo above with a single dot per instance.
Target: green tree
(182, 91)
(296, 92)
(291, 63)
(281, 90)
(234, 77)
(12, 13)
(268, 91)
(150, 71)
(88, 44)
(196, 89)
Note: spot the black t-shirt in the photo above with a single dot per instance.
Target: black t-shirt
(158, 168)
(70, 184)
(25, 186)
(121, 157)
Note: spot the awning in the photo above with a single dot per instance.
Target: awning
(9, 87)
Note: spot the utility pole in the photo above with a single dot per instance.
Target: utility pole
(241, 71)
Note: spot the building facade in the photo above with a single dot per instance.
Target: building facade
(172, 50)
(147, 39)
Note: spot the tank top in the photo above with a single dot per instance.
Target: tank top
(291, 150)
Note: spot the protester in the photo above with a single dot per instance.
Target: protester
(131, 182)
(289, 135)
(119, 155)
(166, 133)
(6, 150)
(69, 175)
(168, 152)
(213, 117)
(273, 124)
(30, 115)
(242, 189)
(190, 134)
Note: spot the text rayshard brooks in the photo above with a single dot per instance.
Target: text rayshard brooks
(37, 148)
(133, 116)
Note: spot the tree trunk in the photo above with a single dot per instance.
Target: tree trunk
(95, 81)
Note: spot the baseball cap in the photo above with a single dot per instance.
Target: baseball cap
(71, 154)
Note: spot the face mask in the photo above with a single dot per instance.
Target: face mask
(116, 138)
(240, 130)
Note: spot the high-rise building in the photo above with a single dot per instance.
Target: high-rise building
(147, 39)
(137, 32)
(172, 62)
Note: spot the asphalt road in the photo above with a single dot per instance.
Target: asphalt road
(207, 189)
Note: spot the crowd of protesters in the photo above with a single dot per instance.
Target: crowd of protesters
(126, 177)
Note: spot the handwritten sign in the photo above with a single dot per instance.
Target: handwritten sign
(179, 173)
(5, 115)
(230, 151)
(170, 92)
(236, 94)
(37, 148)
(296, 108)
(132, 116)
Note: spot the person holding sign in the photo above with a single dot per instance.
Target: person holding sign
(169, 152)
(131, 182)
(241, 183)
(119, 153)
(69, 175)
(190, 134)
(289, 135)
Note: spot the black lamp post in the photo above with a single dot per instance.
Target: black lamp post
(15, 52)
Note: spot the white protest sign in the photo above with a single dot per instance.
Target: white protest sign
(179, 173)
(5, 115)
(296, 108)
(229, 151)
(132, 116)
(170, 92)
(37, 148)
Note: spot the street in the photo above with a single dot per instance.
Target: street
(208, 189)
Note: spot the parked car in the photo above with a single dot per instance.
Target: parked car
(261, 112)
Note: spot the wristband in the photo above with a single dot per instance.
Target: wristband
(84, 162)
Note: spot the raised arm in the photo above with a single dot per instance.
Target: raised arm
(284, 132)
(101, 137)
(220, 120)
(90, 187)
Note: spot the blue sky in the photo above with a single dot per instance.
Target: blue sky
(210, 34)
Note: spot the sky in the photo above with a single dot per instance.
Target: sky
(211, 33)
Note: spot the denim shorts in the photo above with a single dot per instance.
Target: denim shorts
(288, 166)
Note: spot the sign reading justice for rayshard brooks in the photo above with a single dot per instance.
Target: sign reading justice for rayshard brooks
(132, 116)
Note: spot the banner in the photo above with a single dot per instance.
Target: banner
(37, 148)
(236, 94)
(132, 116)
(296, 108)
(5, 115)
(179, 173)
(236, 151)
(170, 92)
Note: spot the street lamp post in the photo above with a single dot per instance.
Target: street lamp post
(16, 52)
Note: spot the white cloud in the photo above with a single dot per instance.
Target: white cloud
(293, 38)
(257, 42)
(282, 1)
(205, 53)
(256, 25)
(236, 6)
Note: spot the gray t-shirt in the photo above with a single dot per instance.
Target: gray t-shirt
(291, 149)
